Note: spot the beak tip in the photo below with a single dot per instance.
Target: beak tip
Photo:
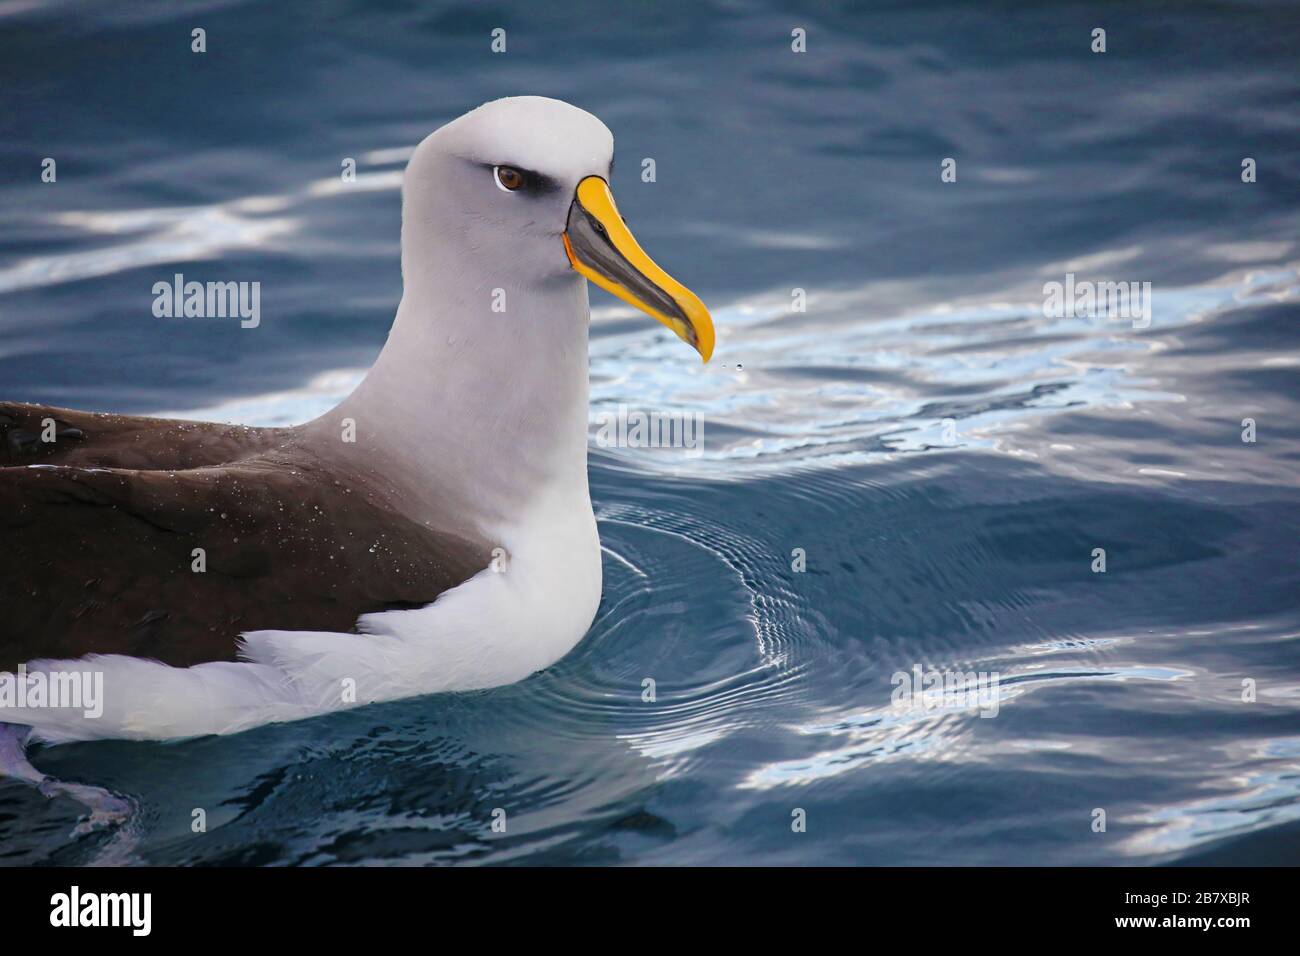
(703, 343)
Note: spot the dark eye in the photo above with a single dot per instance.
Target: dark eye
(508, 178)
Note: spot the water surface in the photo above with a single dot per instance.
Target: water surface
(945, 456)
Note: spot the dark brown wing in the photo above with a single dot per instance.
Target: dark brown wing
(35, 434)
(175, 564)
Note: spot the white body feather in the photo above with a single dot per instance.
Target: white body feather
(496, 628)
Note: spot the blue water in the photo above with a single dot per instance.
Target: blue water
(946, 457)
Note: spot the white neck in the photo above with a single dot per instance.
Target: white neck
(475, 413)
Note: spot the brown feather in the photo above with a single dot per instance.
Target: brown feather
(100, 561)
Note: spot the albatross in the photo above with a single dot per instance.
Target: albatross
(433, 532)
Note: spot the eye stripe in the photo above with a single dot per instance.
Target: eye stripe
(531, 183)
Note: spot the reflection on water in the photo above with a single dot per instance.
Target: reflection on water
(945, 457)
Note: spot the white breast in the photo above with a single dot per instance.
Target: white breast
(508, 621)
(518, 616)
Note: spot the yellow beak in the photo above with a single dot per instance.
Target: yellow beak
(601, 247)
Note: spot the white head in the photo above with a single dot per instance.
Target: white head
(454, 200)
(481, 389)
(516, 193)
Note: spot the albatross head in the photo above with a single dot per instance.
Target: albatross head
(520, 186)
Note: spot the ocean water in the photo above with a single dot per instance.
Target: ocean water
(912, 474)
